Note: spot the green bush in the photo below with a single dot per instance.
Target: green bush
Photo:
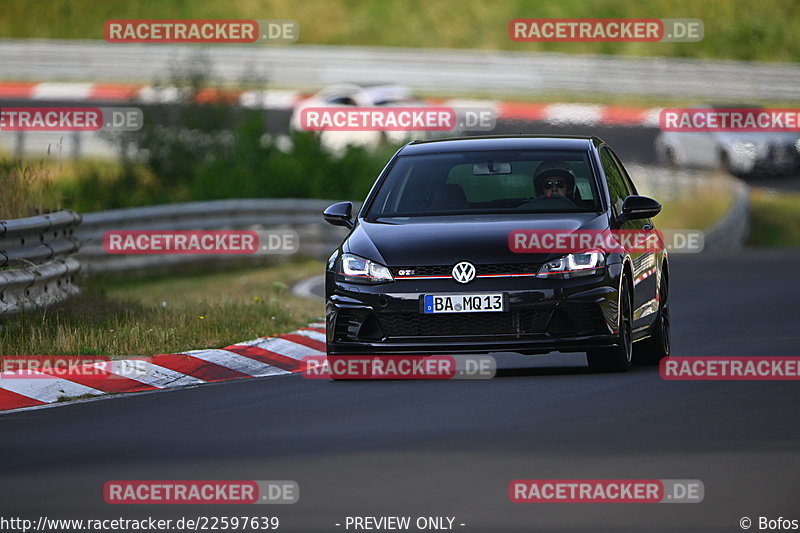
(190, 152)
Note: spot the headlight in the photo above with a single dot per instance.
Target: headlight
(360, 270)
(745, 148)
(573, 265)
(797, 145)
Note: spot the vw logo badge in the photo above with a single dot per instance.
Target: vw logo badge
(464, 272)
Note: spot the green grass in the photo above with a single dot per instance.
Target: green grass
(167, 314)
(774, 218)
(734, 29)
(697, 211)
(27, 188)
(66, 398)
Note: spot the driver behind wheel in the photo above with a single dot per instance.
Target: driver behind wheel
(552, 182)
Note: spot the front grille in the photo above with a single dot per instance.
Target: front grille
(347, 324)
(577, 319)
(784, 154)
(462, 324)
(587, 317)
(447, 270)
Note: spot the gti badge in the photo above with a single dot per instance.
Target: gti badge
(464, 272)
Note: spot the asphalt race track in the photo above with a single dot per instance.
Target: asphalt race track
(451, 448)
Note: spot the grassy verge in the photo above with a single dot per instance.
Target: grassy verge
(774, 218)
(167, 314)
(690, 199)
(734, 29)
(27, 188)
(695, 212)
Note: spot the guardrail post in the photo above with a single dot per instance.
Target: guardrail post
(19, 148)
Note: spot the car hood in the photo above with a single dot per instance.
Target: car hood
(448, 240)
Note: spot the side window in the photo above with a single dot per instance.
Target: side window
(625, 176)
(616, 183)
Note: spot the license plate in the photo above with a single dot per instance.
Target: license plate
(462, 303)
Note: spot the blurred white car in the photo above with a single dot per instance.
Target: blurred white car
(740, 153)
(351, 95)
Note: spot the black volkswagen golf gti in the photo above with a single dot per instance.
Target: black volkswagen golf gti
(427, 268)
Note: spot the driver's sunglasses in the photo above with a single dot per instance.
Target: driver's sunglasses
(550, 184)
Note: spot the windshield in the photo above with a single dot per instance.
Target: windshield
(490, 182)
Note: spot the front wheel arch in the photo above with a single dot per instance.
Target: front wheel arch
(658, 345)
(618, 358)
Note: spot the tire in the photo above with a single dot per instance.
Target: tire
(617, 358)
(725, 163)
(726, 166)
(655, 348)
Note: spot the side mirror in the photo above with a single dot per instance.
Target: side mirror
(340, 214)
(636, 207)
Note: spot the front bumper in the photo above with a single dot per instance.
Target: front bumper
(780, 160)
(773, 159)
(543, 315)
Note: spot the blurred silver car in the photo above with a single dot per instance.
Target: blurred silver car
(351, 95)
(739, 153)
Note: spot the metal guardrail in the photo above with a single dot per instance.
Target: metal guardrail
(314, 66)
(35, 264)
(60, 145)
(316, 238)
(731, 230)
(665, 185)
(304, 216)
(669, 184)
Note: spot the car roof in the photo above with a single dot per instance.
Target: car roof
(388, 92)
(375, 92)
(501, 142)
